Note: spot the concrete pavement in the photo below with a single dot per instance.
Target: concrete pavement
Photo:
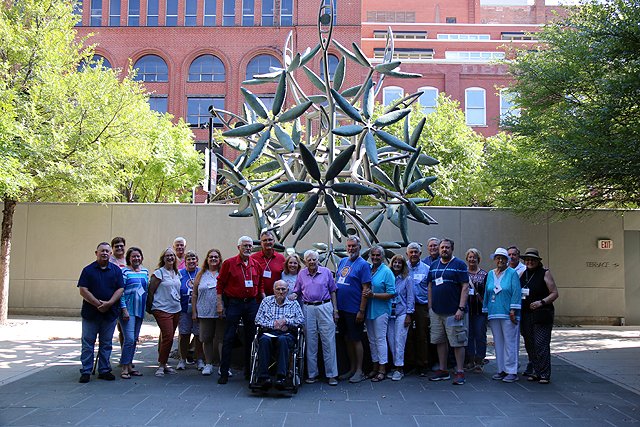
(596, 382)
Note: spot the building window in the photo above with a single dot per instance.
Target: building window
(473, 56)
(333, 64)
(198, 109)
(190, 10)
(206, 68)
(261, 64)
(96, 13)
(391, 94)
(508, 107)
(517, 36)
(209, 13)
(171, 19)
(134, 13)
(391, 16)
(229, 13)
(152, 13)
(405, 53)
(475, 106)
(158, 103)
(151, 68)
(428, 100)
(334, 7)
(77, 10)
(114, 13)
(267, 13)
(286, 13)
(450, 20)
(248, 11)
(463, 36)
(96, 61)
(406, 35)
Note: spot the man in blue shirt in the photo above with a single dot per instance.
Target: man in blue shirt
(353, 275)
(101, 286)
(433, 251)
(448, 293)
(418, 339)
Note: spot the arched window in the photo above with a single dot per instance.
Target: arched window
(333, 64)
(261, 65)
(508, 107)
(475, 106)
(429, 99)
(93, 63)
(206, 68)
(390, 94)
(152, 68)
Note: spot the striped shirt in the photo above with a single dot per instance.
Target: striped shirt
(136, 286)
(270, 311)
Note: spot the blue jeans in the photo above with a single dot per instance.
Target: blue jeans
(282, 346)
(237, 310)
(130, 332)
(103, 329)
(477, 347)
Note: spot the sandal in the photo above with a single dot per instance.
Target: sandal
(380, 376)
(125, 376)
(135, 373)
(544, 381)
(371, 374)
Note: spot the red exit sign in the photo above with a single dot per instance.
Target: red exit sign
(605, 244)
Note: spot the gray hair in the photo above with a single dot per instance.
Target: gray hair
(180, 239)
(310, 252)
(432, 239)
(377, 248)
(414, 245)
(354, 238)
(245, 239)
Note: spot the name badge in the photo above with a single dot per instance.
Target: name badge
(267, 274)
(525, 293)
(248, 283)
(439, 281)
(472, 291)
(140, 291)
(418, 277)
(496, 290)
(342, 280)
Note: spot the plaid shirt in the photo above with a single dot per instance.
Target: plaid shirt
(270, 311)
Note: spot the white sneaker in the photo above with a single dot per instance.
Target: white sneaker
(160, 372)
(200, 365)
(397, 376)
(207, 369)
(181, 366)
(229, 374)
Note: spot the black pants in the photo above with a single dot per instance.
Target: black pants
(537, 342)
(236, 310)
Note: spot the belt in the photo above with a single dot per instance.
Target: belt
(251, 299)
(317, 302)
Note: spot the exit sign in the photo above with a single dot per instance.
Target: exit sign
(605, 244)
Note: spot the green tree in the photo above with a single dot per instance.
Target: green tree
(576, 142)
(70, 133)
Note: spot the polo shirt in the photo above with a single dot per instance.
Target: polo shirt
(102, 283)
(315, 288)
(419, 278)
(232, 277)
(272, 267)
(446, 296)
(351, 275)
(382, 281)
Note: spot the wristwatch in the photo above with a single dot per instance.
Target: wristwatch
(462, 309)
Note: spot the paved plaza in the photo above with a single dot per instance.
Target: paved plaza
(594, 383)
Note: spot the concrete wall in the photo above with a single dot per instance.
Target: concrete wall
(53, 242)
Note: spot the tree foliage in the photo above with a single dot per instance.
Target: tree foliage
(576, 142)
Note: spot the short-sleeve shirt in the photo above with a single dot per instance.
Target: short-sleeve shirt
(167, 296)
(102, 283)
(207, 295)
(187, 279)
(350, 277)
(446, 296)
(136, 285)
(315, 288)
(272, 269)
(382, 281)
(419, 277)
(234, 277)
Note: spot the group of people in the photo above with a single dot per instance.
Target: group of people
(439, 303)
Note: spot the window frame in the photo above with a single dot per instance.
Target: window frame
(191, 18)
(228, 19)
(207, 17)
(511, 109)
(203, 116)
(159, 97)
(95, 16)
(171, 4)
(214, 79)
(133, 20)
(268, 13)
(283, 15)
(153, 20)
(140, 76)
(248, 19)
(428, 109)
(385, 95)
(257, 57)
(114, 19)
(468, 109)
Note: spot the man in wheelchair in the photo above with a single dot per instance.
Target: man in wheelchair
(279, 318)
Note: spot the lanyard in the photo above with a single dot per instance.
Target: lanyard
(445, 268)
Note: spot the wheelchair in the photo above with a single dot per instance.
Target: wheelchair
(295, 370)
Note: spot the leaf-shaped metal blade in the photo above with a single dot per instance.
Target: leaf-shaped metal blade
(245, 130)
(402, 223)
(259, 148)
(255, 103)
(309, 54)
(346, 52)
(291, 187)
(376, 223)
(400, 74)
(353, 189)
(408, 170)
(239, 144)
(338, 77)
(391, 118)
(405, 129)
(295, 63)
(348, 130)
(284, 139)
(352, 91)
(416, 212)
(309, 161)
(339, 163)
(370, 147)
(421, 184)
(417, 131)
(425, 160)
(314, 79)
(393, 141)
(387, 66)
(244, 213)
(397, 182)
(346, 107)
(267, 167)
(294, 112)
(296, 132)
(380, 176)
(318, 99)
(281, 94)
(335, 214)
(362, 59)
(305, 212)
(368, 102)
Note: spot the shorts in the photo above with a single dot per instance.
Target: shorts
(187, 325)
(440, 332)
(349, 327)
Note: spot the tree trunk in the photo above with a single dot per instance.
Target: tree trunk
(5, 254)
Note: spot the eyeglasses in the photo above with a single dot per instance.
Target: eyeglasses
(118, 246)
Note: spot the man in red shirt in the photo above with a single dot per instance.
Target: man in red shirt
(271, 262)
(239, 284)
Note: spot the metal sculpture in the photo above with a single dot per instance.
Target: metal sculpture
(278, 179)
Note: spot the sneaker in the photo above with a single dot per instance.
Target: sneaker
(397, 376)
(181, 365)
(84, 378)
(169, 370)
(107, 376)
(160, 372)
(510, 378)
(200, 364)
(311, 380)
(528, 372)
(499, 376)
(229, 374)
(207, 369)
(333, 381)
(458, 378)
(390, 374)
(440, 375)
